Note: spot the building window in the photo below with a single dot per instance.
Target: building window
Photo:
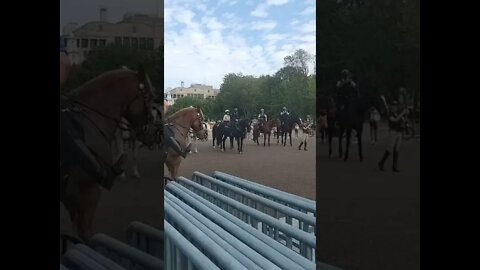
(135, 43)
(150, 44)
(126, 42)
(100, 28)
(78, 43)
(93, 43)
(118, 41)
(134, 29)
(102, 43)
(84, 43)
(143, 43)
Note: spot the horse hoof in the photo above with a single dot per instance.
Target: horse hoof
(136, 175)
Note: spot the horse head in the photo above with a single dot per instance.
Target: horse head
(139, 111)
(197, 124)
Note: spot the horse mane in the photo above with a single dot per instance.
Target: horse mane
(181, 112)
(109, 75)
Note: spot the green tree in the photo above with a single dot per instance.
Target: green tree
(103, 59)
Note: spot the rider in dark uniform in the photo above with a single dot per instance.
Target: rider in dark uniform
(396, 125)
(283, 115)
(235, 116)
(347, 89)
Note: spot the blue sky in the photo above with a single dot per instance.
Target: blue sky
(205, 40)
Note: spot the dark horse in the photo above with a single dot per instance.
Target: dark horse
(237, 131)
(352, 117)
(286, 127)
(92, 113)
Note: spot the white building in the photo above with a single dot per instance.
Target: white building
(140, 31)
(200, 91)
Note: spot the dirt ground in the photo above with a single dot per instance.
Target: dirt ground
(367, 219)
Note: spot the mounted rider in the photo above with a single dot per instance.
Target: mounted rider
(226, 118)
(284, 114)
(262, 117)
(235, 116)
(347, 89)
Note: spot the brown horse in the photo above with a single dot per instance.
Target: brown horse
(96, 108)
(180, 123)
(265, 129)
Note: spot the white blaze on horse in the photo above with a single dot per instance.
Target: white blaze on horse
(193, 137)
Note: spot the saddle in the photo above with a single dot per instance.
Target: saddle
(172, 142)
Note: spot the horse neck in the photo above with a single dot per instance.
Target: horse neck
(182, 119)
(110, 96)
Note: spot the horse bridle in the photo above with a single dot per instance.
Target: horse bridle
(118, 123)
(199, 117)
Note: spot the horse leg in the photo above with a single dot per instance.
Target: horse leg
(224, 138)
(213, 140)
(136, 173)
(349, 133)
(269, 134)
(340, 137)
(173, 163)
(81, 202)
(290, 135)
(359, 139)
(329, 137)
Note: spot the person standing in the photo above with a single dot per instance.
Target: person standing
(374, 119)
(396, 125)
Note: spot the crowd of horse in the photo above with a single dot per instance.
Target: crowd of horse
(116, 109)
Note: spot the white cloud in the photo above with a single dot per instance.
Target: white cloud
(276, 2)
(212, 23)
(308, 27)
(228, 15)
(203, 47)
(309, 10)
(263, 25)
(260, 11)
(232, 3)
(275, 37)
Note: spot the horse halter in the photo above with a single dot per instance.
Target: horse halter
(199, 117)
